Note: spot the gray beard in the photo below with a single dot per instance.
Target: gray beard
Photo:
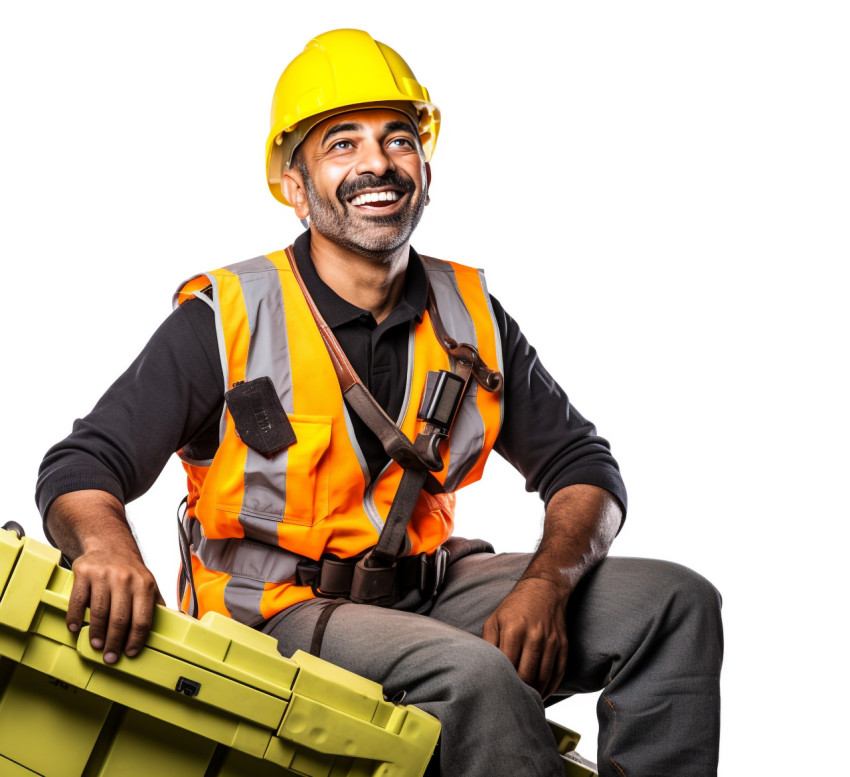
(333, 225)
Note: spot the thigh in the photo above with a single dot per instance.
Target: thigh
(619, 608)
(475, 586)
(404, 651)
(627, 611)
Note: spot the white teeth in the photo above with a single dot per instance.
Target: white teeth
(362, 199)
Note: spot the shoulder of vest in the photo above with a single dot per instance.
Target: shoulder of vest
(432, 264)
(271, 262)
(203, 282)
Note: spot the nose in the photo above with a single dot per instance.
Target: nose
(373, 158)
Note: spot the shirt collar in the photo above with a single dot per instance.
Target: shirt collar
(336, 311)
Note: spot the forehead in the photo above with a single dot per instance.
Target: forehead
(370, 120)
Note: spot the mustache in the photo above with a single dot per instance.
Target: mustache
(348, 189)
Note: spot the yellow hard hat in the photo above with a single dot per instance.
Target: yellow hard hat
(337, 72)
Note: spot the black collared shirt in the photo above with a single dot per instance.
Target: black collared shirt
(171, 399)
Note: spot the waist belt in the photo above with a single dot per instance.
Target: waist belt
(332, 577)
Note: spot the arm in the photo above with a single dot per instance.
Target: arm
(529, 626)
(109, 574)
(562, 457)
(170, 397)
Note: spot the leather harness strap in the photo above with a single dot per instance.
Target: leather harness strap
(395, 443)
(466, 355)
(375, 576)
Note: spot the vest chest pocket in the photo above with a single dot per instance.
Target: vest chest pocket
(308, 470)
(291, 486)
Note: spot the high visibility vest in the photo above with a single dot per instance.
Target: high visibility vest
(251, 518)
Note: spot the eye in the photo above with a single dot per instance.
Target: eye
(342, 145)
(401, 142)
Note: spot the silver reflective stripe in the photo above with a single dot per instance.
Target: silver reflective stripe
(219, 333)
(455, 316)
(264, 499)
(264, 495)
(411, 353)
(408, 380)
(222, 350)
(466, 440)
(244, 558)
(250, 565)
(369, 505)
(368, 502)
(242, 598)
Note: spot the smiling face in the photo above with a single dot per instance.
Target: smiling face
(362, 179)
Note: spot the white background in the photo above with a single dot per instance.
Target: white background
(659, 192)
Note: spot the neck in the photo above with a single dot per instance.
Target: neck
(373, 282)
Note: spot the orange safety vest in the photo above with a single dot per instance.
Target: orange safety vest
(250, 519)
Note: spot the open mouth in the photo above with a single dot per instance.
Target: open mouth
(376, 199)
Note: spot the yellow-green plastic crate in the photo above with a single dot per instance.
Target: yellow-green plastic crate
(208, 698)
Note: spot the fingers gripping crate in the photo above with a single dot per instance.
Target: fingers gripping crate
(209, 698)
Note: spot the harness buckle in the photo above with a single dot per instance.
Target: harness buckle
(432, 571)
(376, 585)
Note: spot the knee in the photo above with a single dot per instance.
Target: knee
(693, 604)
(478, 673)
(689, 591)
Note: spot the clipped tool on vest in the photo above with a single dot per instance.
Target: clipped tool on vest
(376, 575)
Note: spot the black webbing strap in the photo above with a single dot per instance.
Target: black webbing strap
(393, 535)
(322, 624)
(186, 576)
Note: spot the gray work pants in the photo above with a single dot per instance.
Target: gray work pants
(646, 633)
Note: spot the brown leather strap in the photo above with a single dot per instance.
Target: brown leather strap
(373, 572)
(395, 443)
(466, 355)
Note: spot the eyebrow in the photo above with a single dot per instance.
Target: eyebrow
(352, 126)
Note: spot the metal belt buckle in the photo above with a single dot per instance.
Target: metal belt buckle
(441, 556)
(431, 580)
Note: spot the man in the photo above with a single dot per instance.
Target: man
(294, 471)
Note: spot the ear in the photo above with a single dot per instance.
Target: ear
(428, 180)
(292, 186)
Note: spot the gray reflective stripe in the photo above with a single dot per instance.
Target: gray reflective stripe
(368, 502)
(466, 440)
(499, 359)
(369, 505)
(242, 598)
(264, 498)
(455, 316)
(408, 381)
(411, 352)
(244, 558)
(219, 333)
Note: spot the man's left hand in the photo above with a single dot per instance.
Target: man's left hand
(530, 628)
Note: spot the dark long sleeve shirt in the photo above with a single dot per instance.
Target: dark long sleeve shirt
(172, 395)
